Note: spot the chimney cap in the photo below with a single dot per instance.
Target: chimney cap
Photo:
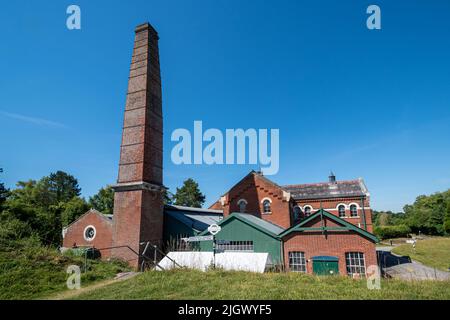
(146, 26)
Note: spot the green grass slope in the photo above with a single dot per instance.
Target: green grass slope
(216, 285)
(30, 271)
(434, 252)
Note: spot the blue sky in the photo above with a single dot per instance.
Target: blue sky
(371, 104)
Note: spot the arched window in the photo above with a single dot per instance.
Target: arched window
(307, 210)
(353, 210)
(266, 202)
(297, 213)
(242, 205)
(341, 210)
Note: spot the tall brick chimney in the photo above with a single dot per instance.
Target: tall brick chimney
(138, 202)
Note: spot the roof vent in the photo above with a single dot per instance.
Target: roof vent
(332, 177)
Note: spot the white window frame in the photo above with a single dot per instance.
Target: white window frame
(345, 209)
(239, 205)
(237, 246)
(84, 233)
(307, 206)
(350, 209)
(300, 261)
(262, 202)
(353, 264)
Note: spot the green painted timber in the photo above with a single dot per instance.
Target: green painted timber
(325, 267)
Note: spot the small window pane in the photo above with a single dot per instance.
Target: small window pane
(297, 261)
(353, 210)
(355, 263)
(341, 209)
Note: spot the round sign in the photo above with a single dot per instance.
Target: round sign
(214, 229)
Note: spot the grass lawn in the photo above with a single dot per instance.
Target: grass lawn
(433, 252)
(216, 285)
(30, 271)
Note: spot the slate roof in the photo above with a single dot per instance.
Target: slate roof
(195, 218)
(338, 189)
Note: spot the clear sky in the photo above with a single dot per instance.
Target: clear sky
(371, 104)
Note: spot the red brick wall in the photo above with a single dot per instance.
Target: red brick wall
(334, 243)
(331, 205)
(103, 237)
(254, 189)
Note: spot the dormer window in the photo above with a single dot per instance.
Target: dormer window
(242, 205)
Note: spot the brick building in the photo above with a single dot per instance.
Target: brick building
(325, 228)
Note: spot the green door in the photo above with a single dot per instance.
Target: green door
(325, 266)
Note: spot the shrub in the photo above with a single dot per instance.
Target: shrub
(386, 232)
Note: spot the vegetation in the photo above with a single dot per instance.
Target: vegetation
(218, 285)
(103, 201)
(189, 195)
(434, 252)
(389, 232)
(29, 270)
(427, 215)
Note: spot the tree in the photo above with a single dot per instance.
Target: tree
(189, 195)
(45, 205)
(63, 186)
(3, 193)
(447, 218)
(103, 201)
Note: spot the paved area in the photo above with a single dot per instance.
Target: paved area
(416, 271)
(402, 267)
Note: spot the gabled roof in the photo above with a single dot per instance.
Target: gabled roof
(300, 227)
(107, 217)
(195, 218)
(338, 189)
(267, 227)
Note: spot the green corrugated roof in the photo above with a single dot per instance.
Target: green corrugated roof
(258, 223)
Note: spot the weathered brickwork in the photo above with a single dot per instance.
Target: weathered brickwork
(254, 189)
(74, 236)
(138, 211)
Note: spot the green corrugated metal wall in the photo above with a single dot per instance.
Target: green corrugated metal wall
(237, 230)
(173, 228)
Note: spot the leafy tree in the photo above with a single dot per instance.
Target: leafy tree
(189, 195)
(446, 226)
(3, 193)
(71, 210)
(167, 196)
(45, 205)
(103, 201)
(63, 187)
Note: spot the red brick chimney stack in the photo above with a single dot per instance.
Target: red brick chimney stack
(138, 203)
